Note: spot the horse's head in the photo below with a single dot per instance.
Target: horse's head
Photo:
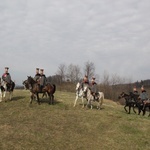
(85, 89)
(26, 84)
(122, 95)
(78, 86)
(31, 82)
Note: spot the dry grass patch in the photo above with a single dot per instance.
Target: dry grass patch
(61, 126)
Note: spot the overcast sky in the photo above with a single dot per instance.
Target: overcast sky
(113, 34)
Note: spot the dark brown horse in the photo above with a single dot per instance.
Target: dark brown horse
(35, 90)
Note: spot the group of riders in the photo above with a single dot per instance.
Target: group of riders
(92, 85)
(143, 96)
(39, 77)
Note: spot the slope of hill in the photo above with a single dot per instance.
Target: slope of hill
(60, 126)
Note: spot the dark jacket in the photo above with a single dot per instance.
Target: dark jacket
(43, 80)
(94, 88)
(6, 77)
(37, 77)
(144, 96)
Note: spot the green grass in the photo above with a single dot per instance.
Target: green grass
(25, 126)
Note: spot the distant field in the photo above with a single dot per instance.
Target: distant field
(25, 126)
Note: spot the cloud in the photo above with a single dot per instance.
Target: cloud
(112, 34)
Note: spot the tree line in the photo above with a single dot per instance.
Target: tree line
(112, 85)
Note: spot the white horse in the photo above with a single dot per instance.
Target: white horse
(80, 93)
(4, 90)
(99, 99)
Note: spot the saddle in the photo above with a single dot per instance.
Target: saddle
(95, 95)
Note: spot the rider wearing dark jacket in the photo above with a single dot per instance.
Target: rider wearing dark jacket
(143, 95)
(42, 79)
(94, 88)
(6, 76)
(37, 75)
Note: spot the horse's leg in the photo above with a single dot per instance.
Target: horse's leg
(1, 96)
(101, 101)
(98, 105)
(52, 99)
(125, 108)
(139, 109)
(75, 101)
(144, 110)
(82, 102)
(4, 95)
(31, 98)
(129, 109)
(149, 110)
(91, 104)
(38, 100)
(87, 103)
(134, 109)
(10, 95)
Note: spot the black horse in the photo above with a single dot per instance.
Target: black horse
(130, 101)
(35, 90)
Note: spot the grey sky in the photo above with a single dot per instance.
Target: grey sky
(113, 34)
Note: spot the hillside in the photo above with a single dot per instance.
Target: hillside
(60, 126)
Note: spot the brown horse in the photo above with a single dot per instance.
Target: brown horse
(35, 90)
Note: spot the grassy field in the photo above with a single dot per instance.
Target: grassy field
(25, 126)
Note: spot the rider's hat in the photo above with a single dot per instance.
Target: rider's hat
(37, 68)
(42, 70)
(7, 68)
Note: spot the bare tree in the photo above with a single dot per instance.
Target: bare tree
(105, 80)
(73, 73)
(62, 71)
(89, 69)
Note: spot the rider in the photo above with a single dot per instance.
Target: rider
(143, 95)
(94, 88)
(6, 77)
(42, 79)
(85, 81)
(37, 75)
(135, 90)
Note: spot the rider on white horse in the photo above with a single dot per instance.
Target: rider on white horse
(94, 88)
(84, 82)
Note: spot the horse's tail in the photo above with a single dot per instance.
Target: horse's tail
(54, 87)
(12, 86)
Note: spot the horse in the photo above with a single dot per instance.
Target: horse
(35, 90)
(6, 88)
(80, 93)
(129, 101)
(27, 87)
(132, 101)
(98, 99)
